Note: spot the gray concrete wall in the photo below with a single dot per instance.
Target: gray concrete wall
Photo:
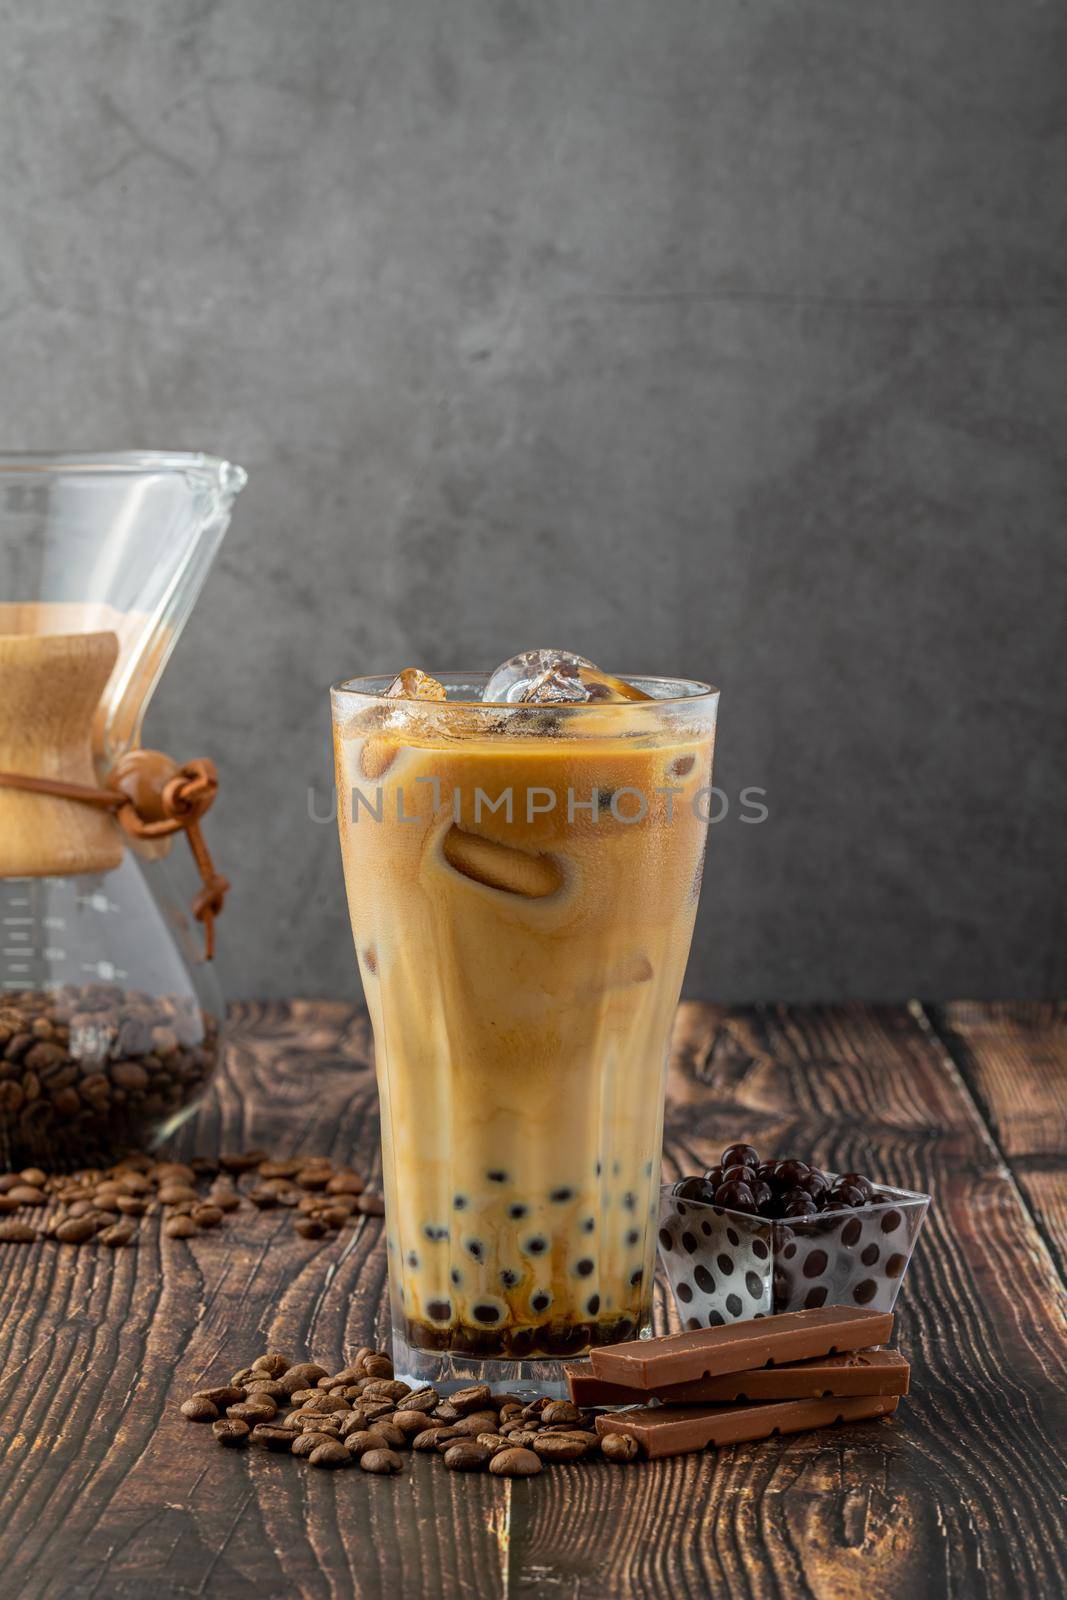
(715, 336)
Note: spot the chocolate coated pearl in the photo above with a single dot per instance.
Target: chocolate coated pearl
(735, 1196)
(739, 1155)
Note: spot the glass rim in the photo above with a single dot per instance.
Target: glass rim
(371, 689)
(901, 1198)
(118, 462)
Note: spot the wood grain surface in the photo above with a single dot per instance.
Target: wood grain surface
(107, 1494)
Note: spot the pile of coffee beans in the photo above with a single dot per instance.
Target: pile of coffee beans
(86, 1070)
(779, 1189)
(363, 1415)
(105, 1204)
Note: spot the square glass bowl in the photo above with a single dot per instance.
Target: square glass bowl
(727, 1266)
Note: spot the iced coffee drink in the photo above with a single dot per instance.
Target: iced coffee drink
(523, 857)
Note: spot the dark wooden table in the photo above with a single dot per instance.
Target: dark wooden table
(106, 1494)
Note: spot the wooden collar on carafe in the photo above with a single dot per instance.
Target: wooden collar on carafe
(152, 797)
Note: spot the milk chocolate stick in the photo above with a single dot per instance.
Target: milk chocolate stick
(859, 1372)
(678, 1430)
(651, 1364)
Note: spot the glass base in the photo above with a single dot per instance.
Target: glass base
(449, 1370)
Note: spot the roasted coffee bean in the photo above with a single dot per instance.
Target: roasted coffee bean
(231, 1431)
(561, 1411)
(315, 1178)
(279, 1169)
(199, 1409)
(345, 1183)
(378, 1367)
(492, 1441)
(559, 1447)
(386, 1389)
(26, 1194)
(223, 1395)
(474, 1398)
(444, 1438)
(394, 1437)
(246, 1162)
(322, 1403)
(515, 1462)
(225, 1199)
(263, 1199)
(270, 1437)
(273, 1364)
(310, 1228)
(302, 1375)
(12, 1231)
(342, 1380)
(34, 1177)
(427, 1440)
(381, 1461)
(176, 1194)
(371, 1205)
(466, 1455)
(331, 1217)
(131, 1205)
(619, 1447)
(408, 1423)
(239, 1379)
(260, 1384)
(312, 1424)
(511, 1408)
(305, 1443)
(180, 1228)
(331, 1453)
(8, 1180)
(364, 1439)
(418, 1400)
(474, 1423)
(206, 1216)
(117, 1235)
(523, 1438)
(446, 1412)
(7, 1205)
(257, 1408)
(76, 1230)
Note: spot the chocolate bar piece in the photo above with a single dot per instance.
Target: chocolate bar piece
(676, 1430)
(859, 1372)
(651, 1364)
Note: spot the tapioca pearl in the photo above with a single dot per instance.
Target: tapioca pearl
(625, 1328)
(475, 1248)
(592, 1305)
(509, 1278)
(412, 1258)
(616, 1168)
(895, 1265)
(560, 1196)
(734, 1305)
(679, 1208)
(648, 1169)
(789, 1251)
(589, 1226)
(540, 1300)
(584, 1267)
(733, 1236)
(865, 1292)
(715, 1319)
(665, 1239)
(460, 1202)
(705, 1228)
(851, 1232)
(633, 1236)
(536, 1245)
(629, 1201)
(636, 1278)
(457, 1278)
(439, 1310)
(754, 1285)
(815, 1297)
(693, 1323)
(517, 1211)
(724, 1264)
(489, 1312)
(891, 1220)
(435, 1232)
(689, 1243)
(683, 1292)
(815, 1263)
(597, 1168)
(869, 1254)
(704, 1279)
(759, 1248)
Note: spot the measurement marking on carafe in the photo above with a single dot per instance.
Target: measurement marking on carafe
(15, 950)
(18, 922)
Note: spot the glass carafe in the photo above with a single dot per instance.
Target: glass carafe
(109, 1011)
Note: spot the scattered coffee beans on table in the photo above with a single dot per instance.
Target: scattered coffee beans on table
(104, 1205)
(363, 1416)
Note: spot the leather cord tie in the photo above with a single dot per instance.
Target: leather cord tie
(152, 797)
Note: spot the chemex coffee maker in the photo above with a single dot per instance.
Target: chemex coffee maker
(109, 1006)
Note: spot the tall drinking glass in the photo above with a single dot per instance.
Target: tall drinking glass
(522, 882)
